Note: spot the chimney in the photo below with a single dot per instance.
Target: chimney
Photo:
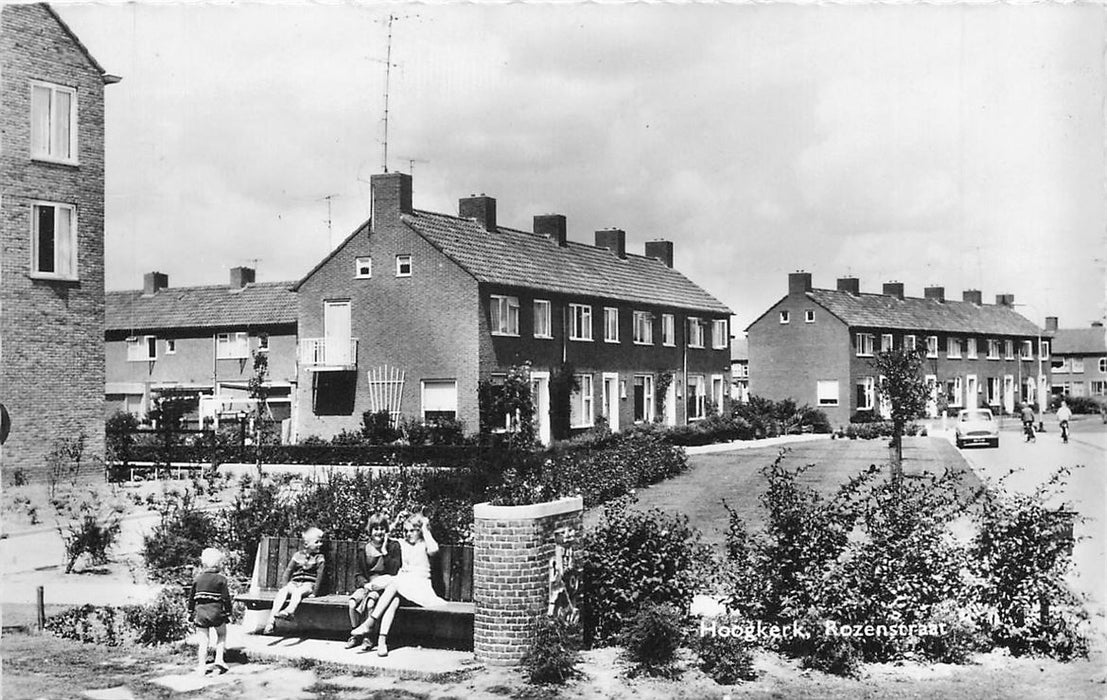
(660, 249)
(154, 281)
(1051, 323)
(799, 282)
(849, 284)
(478, 207)
(973, 296)
(241, 276)
(1005, 299)
(936, 293)
(553, 227)
(613, 239)
(894, 289)
(390, 195)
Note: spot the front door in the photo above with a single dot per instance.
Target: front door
(336, 332)
(670, 403)
(610, 400)
(1008, 393)
(971, 391)
(540, 391)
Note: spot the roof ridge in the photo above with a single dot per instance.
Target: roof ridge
(226, 287)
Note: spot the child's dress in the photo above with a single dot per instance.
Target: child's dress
(209, 600)
(413, 582)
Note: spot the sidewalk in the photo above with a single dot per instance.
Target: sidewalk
(754, 444)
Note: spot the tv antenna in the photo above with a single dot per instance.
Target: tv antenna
(387, 81)
(330, 230)
(411, 164)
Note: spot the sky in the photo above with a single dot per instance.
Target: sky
(952, 145)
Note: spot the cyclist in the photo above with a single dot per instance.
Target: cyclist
(1064, 415)
(1028, 422)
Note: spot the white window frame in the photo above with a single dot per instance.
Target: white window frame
(423, 395)
(643, 328)
(503, 314)
(953, 348)
(993, 348)
(910, 342)
(170, 346)
(718, 392)
(1009, 349)
(668, 330)
(1043, 349)
(785, 316)
(610, 324)
(48, 151)
(647, 398)
(695, 332)
(970, 348)
(887, 342)
(699, 403)
(70, 273)
(958, 393)
(232, 342)
(580, 322)
(142, 348)
(1060, 365)
(823, 390)
(1103, 365)
(1026, 350)
(720, 340)
(401, 261)
(263, 342)
(864, 344)
(365, 261)
(869, 384)
(542, 311)
(808, 315)
(1078, 365)
(584, 395)
(931, 346)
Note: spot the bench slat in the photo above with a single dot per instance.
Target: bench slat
(464, 577)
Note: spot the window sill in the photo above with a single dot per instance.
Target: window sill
(611, 342)
(55, 161)
(363, 277)
(719, 347)
(643, 343)
(505, 335)
(695, 347)
(234, 357)
(141, 359)
(543, 337)
(581, 340)
(582, 427)
(47, 277)
(668, 345)
(827, 404)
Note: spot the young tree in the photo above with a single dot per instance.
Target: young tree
(259, 392)
(903, 386)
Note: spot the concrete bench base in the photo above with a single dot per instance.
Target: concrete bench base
(447, 627)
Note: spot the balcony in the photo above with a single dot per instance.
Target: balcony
(328, 353)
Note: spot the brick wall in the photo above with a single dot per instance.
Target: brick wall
(53, 331)
(513, 550)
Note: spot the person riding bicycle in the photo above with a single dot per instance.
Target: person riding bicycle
(1064, 415)
(1028, 422)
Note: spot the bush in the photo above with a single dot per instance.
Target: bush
(768, 418)
(554, 655)
(119, 436)
(172, 550)
(163, 620)
(377, 428)
(634, 558)
(88, 521)
(727, 660)
(1077, 404)
(652, 639)
(258, 509)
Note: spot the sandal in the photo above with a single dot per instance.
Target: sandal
(353, 641)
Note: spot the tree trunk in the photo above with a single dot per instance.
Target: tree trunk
(897, 452)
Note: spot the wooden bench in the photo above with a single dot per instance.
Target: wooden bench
(450, 626)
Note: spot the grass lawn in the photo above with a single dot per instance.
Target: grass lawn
(735, 477)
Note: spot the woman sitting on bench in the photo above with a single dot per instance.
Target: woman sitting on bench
(412, 583)
(377, 562)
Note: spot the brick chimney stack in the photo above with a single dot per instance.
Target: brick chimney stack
(613, 239)
(973, 296)
(390, 197)
(849, 284)
(1051, 323)
(936, 293)
(553, 226)
(894, 289)
(660, 249)
(1005, 299)
(152, 282)
(480, 208)
(799, 282)
(241, 276)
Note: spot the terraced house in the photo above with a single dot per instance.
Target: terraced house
(816, 346)
(415, 308)
(1079, 361)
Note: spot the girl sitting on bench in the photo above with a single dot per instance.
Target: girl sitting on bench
(377, 562)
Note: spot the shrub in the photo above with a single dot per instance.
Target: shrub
(173, 549)
(377, 428)
(633, 558)
(163, 620)
(727, 660)
(119, 436)
(257, 509)
(1077, 404)
(652, 639)
(88, 521)
(554, 656)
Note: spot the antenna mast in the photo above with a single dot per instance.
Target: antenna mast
(387, 76)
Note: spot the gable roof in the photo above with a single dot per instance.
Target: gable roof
(514, 258)
(912, 313)
(269, 303)
(1079, 341)
(107, 77)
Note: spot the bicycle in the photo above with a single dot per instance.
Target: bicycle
(1065, 431)
(1028, 430)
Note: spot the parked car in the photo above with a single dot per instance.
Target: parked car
(977, 426)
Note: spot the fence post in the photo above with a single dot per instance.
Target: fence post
(40, 607)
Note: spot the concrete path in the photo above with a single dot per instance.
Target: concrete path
(754, 444)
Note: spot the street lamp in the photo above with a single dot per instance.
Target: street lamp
(1041, 391)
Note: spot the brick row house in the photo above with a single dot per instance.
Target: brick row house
(1079, 361)
(415, 308)
(198, 343)
(52, 219)
(816, 346)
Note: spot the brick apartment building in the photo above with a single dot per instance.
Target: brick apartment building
(52, 218)
(816, 345)
(1079, 361)
(415, 308)
(198, 343)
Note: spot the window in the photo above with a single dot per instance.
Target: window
(826, 392)
(263, 342)
(864, 344)
(1059, 364)
(741, 370)
(719, 338)
(643, 327)
(1027, 350)
(542, 319)
(1103, 365)
(993, 349)
(910, 342)
(697, 397)
(886, 342)
(785, 316)
(953, 348)
(54, 241)
(809, 316)
(403, 266)
(931, 346)
(439, 399)
(580, 403)
(643, 398)
(170, 346)
(53, 122)
(1043, 349)
(363, 268)
(1078, 365)
(1099, 388)
(580, 322)
(695, 332)
(970, 348)
(717, 388)
(953, 391)
(141, 348)
(503, 314)
(610, 325)
(991, 391)
(231, 346)
(865, 393)
(1009, 349)
(668, 329)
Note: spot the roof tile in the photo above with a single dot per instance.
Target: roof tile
(268, 303)
(912, 313)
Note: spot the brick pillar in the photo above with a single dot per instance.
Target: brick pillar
(513, 547)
